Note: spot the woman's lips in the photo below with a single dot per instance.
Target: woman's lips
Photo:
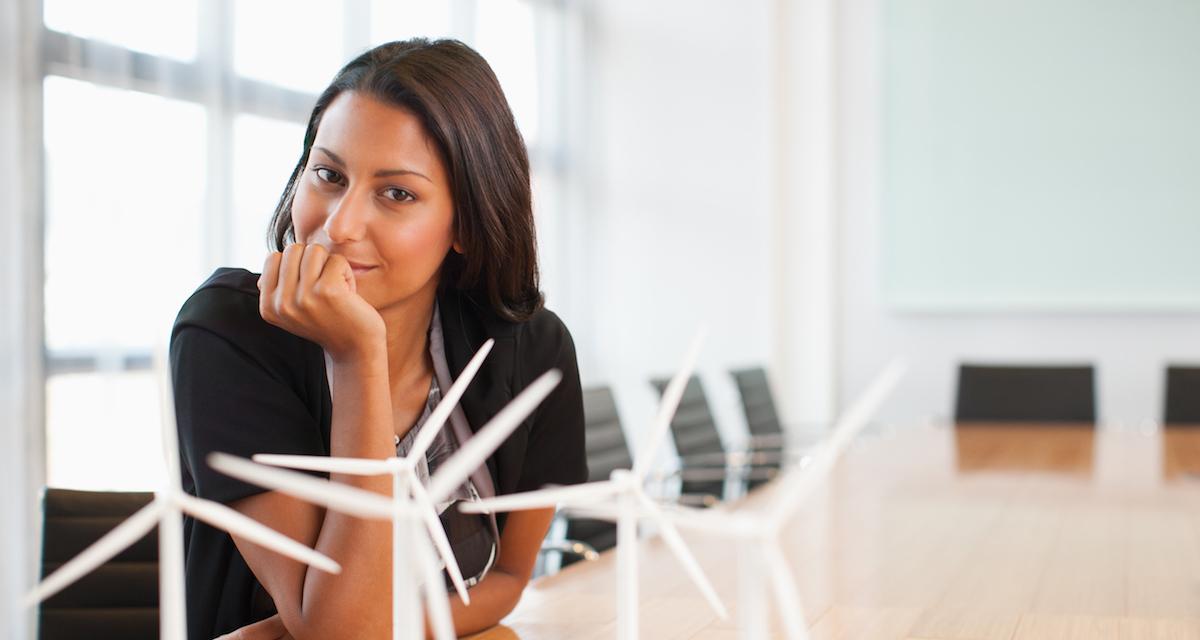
(360, 269)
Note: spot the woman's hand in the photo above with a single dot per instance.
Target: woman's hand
(267, 629)
(311, 293)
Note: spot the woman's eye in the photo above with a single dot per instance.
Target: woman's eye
(398, 194)
(328, 175)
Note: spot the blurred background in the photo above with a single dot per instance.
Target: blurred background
(822, 184)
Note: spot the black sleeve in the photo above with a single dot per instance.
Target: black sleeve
(555, 452)
(225, 400)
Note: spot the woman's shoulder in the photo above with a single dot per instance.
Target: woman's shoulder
(226, 305)
(544, 329)
(543, 342)
(542, 337)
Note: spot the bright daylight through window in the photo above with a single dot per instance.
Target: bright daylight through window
(172, 169)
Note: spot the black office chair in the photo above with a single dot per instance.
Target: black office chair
(758, 404)
(1026, 394)
(117, 600)
(706, 463)
(606, 451)
(1182, 406)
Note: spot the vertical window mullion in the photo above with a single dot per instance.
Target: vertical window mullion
(215, 59)
(356, 29)
(462, 20)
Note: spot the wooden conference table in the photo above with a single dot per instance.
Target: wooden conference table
(999, 531)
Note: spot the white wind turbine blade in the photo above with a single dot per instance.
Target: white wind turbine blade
(100, 551)
(666, 409)
(336, 496)
(223, 517)
(609, 511)
(328, 464)
(544, 498)
(671, 536)
(446, 405)
(437, 534)
(436, 598)
(795, 485)
(475, 451)
(787, 596)
(718, 523)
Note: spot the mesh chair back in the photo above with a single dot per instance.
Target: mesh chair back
(757, 401)
(117, 600)
(1183, 396)
(695, 433)
(606, 446)
(606, 450)
(1026, 393)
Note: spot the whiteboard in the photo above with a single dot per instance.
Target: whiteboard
(1041, 154)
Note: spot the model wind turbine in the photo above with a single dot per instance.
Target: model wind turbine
(623, 499)
(407, 515)
(406, 486)
(756, 531)
(166, 510)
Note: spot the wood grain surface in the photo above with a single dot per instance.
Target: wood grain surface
(991, 532)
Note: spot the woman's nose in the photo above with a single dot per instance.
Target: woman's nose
(348, 221)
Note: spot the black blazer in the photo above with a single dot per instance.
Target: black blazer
(244, 386)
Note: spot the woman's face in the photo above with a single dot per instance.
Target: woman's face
(375, 192)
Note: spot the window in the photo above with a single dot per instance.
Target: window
(168, 140)
(297, 44)
(165, 29)
(265, 151)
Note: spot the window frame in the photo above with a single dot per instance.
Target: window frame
(210, 80)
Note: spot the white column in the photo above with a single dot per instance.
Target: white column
(804, 296)
(22, 442)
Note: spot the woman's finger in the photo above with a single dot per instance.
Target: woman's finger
(268, 281)
(289, 278)
(266, 629)
(337, 273)
(311, 265)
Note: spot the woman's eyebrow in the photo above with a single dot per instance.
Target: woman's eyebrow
(383, 173)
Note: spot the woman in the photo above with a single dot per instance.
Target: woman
(405, 240)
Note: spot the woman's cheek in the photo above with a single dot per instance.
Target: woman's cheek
(305, 217)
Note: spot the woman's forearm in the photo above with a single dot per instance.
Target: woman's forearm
(493, 598)
(355, 603)
(498, 593)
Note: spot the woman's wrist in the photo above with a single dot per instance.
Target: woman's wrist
(365, 356)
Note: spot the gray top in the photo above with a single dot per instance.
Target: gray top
(470, 535)
(473, 537)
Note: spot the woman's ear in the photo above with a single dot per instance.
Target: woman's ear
(457, 246)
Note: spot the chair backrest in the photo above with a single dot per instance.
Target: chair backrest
(695, 434)
(1026, 393)
(757, 401)
(606, 450)
(1182, 404)
(117, 600)
(606, 446)
(693, 427)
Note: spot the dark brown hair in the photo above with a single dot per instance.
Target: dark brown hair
(454, 93)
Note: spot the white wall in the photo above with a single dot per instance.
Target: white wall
(678, 220)
(1129, 349)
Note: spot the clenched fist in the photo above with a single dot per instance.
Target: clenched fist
(310, 292)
